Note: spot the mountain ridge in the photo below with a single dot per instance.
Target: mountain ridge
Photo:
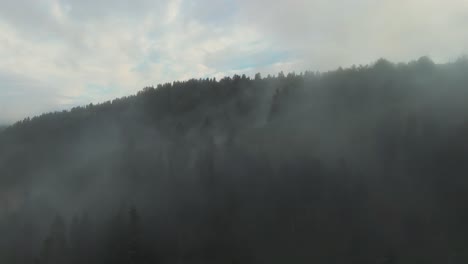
(353, 165)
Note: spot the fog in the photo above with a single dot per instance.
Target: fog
(356, 165)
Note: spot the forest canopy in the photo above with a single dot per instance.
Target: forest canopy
(365, 164)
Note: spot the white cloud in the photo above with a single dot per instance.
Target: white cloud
(344, 32)
(69, 52)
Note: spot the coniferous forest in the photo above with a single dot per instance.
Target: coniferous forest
(367, 164)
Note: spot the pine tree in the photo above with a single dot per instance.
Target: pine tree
(55, 249)
(135, 253)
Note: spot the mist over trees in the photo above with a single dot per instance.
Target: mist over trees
(366, 164)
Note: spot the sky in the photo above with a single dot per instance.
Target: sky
(56, 54)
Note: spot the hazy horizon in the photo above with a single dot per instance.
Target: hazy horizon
(6, 122)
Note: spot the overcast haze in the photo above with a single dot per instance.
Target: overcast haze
(55, 54)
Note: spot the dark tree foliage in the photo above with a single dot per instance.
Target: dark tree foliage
(360, 165)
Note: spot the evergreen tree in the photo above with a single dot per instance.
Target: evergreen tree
(55, 247)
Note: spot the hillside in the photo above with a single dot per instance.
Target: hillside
(359, 165)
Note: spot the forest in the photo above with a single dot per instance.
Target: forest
(366, 164)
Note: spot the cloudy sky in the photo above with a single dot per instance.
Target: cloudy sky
(55, 54)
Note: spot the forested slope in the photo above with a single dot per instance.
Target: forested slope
(367, 164)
